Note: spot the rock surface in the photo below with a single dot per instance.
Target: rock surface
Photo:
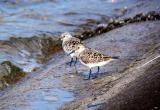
(9, 74)
(138, 46)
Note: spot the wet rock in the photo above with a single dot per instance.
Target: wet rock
(9, 74)
(133, 79)
(50, 45)
(141, 94)
(34, 50)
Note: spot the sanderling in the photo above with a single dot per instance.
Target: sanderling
(92, 58)
(69, 44)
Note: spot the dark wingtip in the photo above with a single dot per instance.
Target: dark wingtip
(116, 57)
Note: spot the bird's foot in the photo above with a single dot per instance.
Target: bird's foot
(91, 77)
(69, 63)
(72, 62)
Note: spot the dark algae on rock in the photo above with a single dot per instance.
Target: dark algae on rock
(9, 73)
(50, 45)
(115, 23)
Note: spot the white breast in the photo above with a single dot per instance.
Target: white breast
(68, 51)
(90, 65)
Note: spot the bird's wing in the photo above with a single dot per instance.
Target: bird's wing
(93, 56)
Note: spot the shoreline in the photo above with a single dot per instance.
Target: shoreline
(132, 33)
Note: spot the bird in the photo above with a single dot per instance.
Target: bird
(69, 45)
(92, 58)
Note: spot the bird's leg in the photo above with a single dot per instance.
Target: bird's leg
(75, 61)
(90, 72)
(98, 69)
(71, 52)
(70, 63)
(96, 74)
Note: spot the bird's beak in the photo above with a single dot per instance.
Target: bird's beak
(71, 52)
(81, 42)
(61, 37)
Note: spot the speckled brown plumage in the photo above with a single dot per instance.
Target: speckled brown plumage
(71, 44)
(92, 56)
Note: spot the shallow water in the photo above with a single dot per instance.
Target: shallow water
(26, 19)
(45, 99)
(40, 90)
(52, 99)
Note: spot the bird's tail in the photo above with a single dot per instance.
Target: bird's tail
(115, 57)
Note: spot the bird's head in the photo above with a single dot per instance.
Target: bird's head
(65, 35)
(79, 49)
